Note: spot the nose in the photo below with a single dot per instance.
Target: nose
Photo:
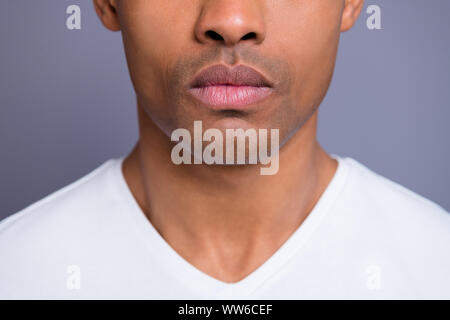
(230, 22)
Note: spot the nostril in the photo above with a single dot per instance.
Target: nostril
(250, 35)
(213, 35)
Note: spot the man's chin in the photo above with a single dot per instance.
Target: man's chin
(232, 123)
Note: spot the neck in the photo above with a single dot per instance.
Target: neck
(227, 211)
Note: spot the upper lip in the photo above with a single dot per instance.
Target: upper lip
(240, 75)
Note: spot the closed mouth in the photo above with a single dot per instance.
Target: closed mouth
(221, 87)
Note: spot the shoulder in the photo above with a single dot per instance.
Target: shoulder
(40, 244)
(390, 199)
(56, 225)
(404, 232)
(71, 202)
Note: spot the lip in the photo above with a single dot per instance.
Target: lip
(222, 87)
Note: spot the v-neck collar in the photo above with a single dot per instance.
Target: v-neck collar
(204, 284)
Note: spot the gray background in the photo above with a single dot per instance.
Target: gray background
(67, 104)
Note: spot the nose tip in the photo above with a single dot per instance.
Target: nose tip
(230, 22)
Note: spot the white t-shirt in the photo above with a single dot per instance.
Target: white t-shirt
(366, 238)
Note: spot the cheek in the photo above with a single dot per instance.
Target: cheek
(152, 40)
(309, 41)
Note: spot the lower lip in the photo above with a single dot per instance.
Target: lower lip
(225, 96)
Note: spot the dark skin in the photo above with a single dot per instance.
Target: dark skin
(228, 220)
